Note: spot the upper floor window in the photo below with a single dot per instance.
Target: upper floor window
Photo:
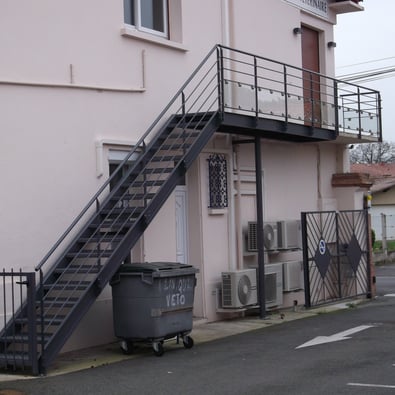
(149, 16)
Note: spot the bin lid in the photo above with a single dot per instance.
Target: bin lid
(156, 268)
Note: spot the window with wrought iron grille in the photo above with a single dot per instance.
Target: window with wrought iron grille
(218, 181)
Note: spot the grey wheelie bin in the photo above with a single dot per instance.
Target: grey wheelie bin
(153, 302)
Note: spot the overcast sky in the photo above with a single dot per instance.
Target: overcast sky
(366, 41)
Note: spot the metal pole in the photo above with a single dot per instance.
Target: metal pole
(256, 91)
(306, 272)
(32, 320)
(338, 259)
(221, 81)
(285, 96)
(259, 216)
(370, 266)
(336, 105)
(359, 114)
(384, 246)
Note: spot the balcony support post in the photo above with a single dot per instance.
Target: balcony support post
(259, 217)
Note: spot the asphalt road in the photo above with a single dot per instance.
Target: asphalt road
(356, 357)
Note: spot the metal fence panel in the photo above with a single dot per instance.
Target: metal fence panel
(336, 255)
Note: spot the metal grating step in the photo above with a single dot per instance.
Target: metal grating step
(96, 253)
(68, 285)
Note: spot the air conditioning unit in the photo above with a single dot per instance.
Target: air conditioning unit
(270, 237)
(252, 242)
(293, 278)
(289, 234)
(273, 285)
(239, 288)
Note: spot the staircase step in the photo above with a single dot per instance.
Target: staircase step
(181, 134)
(148, 183)
(14, 358)
(204, 116)
(68, 285)
(174, 147)
(100, 239)
(48, 305)
(166, 158)
(75, 269)
(188, 124)
(119, 227)
(91, 254)
(55, 320)
(132, 212)
(21, 338)
(131, 197)
(158, 170)
(60, 299)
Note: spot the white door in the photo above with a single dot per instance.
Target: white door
(181, 224)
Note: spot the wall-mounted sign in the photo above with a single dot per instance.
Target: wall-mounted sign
(318, 7)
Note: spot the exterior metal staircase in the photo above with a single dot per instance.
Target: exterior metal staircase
(78, 276)
(53, 300)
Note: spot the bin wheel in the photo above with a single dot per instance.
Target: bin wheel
(188, 341)
(126, 347)
(158, 348)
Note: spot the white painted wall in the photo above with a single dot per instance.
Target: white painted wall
(72, 76)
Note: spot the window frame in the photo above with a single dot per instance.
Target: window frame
(136, 10)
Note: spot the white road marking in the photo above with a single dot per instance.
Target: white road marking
(390, 295)
(336, 337)
(371, 385)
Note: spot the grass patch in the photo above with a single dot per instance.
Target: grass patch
(378, 245)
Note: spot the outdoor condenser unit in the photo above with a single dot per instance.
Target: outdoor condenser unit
(289, 234)
(270, 236)
(293, 276)
(274, 285)
(239, 288)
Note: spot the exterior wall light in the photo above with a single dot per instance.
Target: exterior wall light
(297, 30)
(331, 44)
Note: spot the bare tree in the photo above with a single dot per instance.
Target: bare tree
(373, 153)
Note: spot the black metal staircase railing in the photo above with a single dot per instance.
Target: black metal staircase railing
(83, 260)
(18, 349)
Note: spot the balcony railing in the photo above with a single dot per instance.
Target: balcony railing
(266, 88)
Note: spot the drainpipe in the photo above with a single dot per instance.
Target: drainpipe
(238, 225)
(234, 214)
(232, 219)
(225, 16)
(226, 41)
(319, 192)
